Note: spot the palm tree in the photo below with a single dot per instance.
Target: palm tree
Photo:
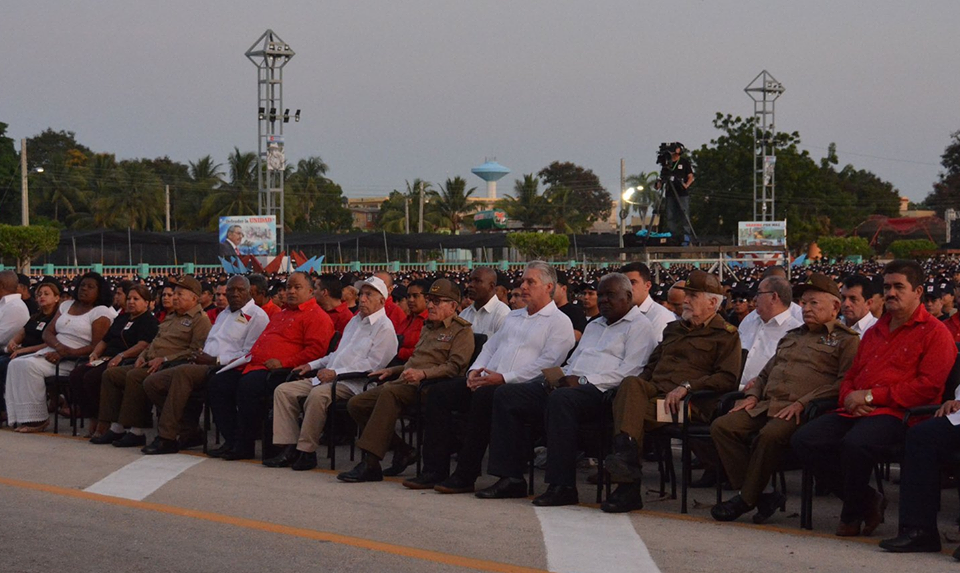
(139, 202)
(306, 183)
(62, 185)
(239, 196)
(205, 177)
(526, 205)
(393, 218)
(452, 203)
(562, 213)
(645, 199)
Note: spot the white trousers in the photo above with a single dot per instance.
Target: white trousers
(26, 393)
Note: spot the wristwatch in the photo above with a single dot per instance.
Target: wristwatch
(583, 381)
(869, 398)
(687, 386)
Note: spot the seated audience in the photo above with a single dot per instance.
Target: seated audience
(902, 362)
(328, 292)
(416, 303)
(368, 344)
(487, 312)
(566, 306)
(857, 291)
(759, 338)
(700, 352)
(30, 337)
(809, 363)
(588, 300)
(260, 293)
(13, 311)
(641, 279)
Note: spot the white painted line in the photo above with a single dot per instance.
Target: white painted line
(139, 479)
(586, 540)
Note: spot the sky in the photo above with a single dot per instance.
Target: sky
(392, 91)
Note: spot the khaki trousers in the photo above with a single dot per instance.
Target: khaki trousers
(635, 408)
(170, 390)
(286, 408)
(750, 449)
(376, 412)
(122, 398)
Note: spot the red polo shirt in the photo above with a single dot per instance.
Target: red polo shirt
(953, 325)
(271, 309)
(904, 368)
(395, 313)
(296, 335)
(410, 330)
(340, 315)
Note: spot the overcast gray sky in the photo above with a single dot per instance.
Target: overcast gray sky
(429, 88)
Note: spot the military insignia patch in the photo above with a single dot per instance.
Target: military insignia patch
(445, 337)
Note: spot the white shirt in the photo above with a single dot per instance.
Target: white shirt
(368, 343)
(489, 318)
(658, 315)
(864, 323)
(608, 353)
(760, 340)
(955, 417)
(527, 343)
(233, 334)
(13, 315)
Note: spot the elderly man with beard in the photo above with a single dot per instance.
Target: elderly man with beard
(700, 352)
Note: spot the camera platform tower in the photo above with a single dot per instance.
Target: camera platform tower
(270, 54)
(764, 91)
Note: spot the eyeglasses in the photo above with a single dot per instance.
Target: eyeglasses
(740, 299)
(435, 300)
(760, 292)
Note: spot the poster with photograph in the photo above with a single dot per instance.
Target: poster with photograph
(248, 235)
(762, 233)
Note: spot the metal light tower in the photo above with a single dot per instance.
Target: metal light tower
(270, 54)
(764, 91)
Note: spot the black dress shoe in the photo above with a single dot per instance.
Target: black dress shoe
(768, 504)
(108, 438)
(557, 495)
(426, 480)
(401, 461)
(161, 446)
(623, 465)
(455, 484)
(192, 440)
(285, 459)
(362, 472)
(913, 540)
(239, 452)
(730, 509)
(627, 497)
(505, 488)
(707, 479)
(221, 451)
(130, 440)
(306, 461)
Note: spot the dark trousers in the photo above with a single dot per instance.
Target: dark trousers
(253, 389)
(561, 412)
(85, 383)
(439, 439)
(929, 444)
(842, 452)
(678, 209)
(4, 361)
(222, 396)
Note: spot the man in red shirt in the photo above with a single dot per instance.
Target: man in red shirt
(394, 312)
(260, 293)
(902, 362)
(301, 332)
(328, 291)
(413, 324)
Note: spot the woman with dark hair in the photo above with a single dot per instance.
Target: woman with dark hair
(75, 330)
(30, 338)
(129, 334)
(165, 304)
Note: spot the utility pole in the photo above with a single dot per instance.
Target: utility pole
(621, 214)
(24, 186)
(166, 189)
(420, 225)
(406, 215)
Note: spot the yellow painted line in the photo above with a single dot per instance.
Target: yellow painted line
(358, 542)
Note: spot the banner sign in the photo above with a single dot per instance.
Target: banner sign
(762, 233)
(248, 235)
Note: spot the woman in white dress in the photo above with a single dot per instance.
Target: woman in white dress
(76, 329)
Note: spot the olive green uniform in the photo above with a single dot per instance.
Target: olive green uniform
(809, 364)
(443, 351)
(708, 357)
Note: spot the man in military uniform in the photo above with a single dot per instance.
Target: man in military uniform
(443, 351)
(809, 363)
(123, 401)
(700, 352)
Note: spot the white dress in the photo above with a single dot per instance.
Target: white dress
(26, 393)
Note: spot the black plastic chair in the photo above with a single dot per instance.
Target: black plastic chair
(59, 385)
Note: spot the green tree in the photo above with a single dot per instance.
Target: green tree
(205, 178)
(946, 191)
(453, 203)
(61, 189)
(841, 247)
(139, 204)
(305, 195)
(589, 198)
(9, 182)
(526, 205)
(22, 244)
(392, 217)
(911, 248)
(539, 245)
(238, 196)
(49, 146)
(564, 214)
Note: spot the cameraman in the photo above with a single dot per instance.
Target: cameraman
(677, 174)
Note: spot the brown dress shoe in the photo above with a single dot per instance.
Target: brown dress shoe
(873, 515)
(848, 529)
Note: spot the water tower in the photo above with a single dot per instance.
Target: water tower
(491, 172)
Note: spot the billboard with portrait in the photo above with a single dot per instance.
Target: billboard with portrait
(248, 235)
(762, 233)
